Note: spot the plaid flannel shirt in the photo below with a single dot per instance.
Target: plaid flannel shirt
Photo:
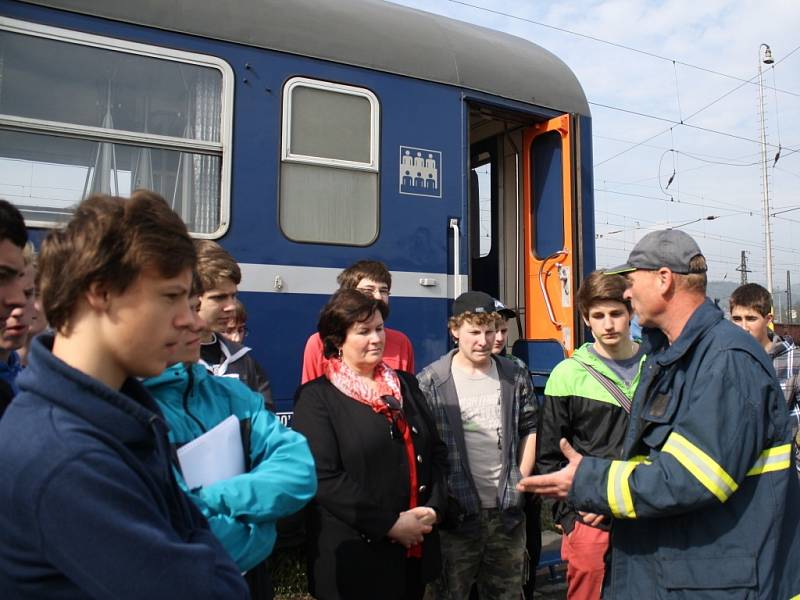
(787, 368)
(523, 415)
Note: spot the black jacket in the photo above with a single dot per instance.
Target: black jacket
(236, 360)
(363, 487)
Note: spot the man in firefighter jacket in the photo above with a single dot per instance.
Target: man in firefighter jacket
(704, 498)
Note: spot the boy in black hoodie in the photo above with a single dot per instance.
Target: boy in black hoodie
(89, 506)
(220, 275)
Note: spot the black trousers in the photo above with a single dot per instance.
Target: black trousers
(259, 581)
(533, 532)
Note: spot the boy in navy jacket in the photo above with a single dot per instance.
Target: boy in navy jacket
(89, 506)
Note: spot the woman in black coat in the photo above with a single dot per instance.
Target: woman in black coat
(380, 464)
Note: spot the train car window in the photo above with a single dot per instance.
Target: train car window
(547, 194)
(330, 125)
(84, 114)
(329, 163)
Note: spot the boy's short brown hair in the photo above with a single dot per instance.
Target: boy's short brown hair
(601, 287)
(752, 295)
(215, 264)
(364, 269)
(110, 240)
(480, 319)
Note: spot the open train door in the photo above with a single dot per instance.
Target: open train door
(549, 233)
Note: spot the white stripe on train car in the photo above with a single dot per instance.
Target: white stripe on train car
(285, 279)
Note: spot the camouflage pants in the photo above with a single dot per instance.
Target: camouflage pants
(484, 553)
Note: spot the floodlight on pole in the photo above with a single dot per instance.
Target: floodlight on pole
(765, 56)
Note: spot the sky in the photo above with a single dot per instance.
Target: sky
(680, 56)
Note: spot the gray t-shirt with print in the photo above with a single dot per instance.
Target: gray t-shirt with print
(479, 398)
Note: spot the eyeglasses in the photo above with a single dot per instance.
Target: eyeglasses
(399, 423)
(372, 290)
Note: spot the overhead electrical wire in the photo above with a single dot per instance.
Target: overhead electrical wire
(734, 208)
(607, 42)
(673, 122)
(675, 62)
(694, 114)
(681, 119)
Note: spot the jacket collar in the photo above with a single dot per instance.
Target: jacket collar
(12, 365)
(9, 370)
(176, 375)
(231, 351)
(127, 414)
(703, 318)
(780, 346)
(584, 354)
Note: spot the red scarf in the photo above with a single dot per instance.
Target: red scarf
(347, 381)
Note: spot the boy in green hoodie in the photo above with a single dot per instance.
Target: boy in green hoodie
(587, 401)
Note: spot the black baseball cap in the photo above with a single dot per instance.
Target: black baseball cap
(474, 302)
(670, 248)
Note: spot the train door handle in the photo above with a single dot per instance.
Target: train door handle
(456, 257)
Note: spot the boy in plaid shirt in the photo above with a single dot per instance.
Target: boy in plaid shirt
(751, 309)
(486, 413)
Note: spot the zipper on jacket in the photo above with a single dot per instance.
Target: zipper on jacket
(186, 392)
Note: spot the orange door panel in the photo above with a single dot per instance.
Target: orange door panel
(548, 232)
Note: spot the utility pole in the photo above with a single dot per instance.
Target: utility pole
(742, 268)
(768, 60)
(789, 297)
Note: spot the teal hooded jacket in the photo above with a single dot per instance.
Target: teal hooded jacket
(243, 510)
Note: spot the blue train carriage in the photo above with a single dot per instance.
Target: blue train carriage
(307, 135)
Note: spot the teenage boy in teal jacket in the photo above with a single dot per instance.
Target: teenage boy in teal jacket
(280, 479)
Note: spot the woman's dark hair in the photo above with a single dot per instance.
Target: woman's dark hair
(345, 308)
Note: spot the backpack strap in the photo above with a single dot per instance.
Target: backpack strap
(609, 385)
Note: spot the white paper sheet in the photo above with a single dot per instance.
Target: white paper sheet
(214, 456)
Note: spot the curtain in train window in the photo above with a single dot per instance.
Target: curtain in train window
(82, 119)
(329, 166)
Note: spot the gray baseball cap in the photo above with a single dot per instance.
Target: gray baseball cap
(668, 248)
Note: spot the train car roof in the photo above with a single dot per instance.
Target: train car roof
(365, 33)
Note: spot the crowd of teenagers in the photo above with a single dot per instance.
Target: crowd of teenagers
(668, 459)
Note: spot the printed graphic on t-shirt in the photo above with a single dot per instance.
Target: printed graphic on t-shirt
(481, 412)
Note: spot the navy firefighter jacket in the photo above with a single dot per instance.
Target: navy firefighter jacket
(705, 500)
